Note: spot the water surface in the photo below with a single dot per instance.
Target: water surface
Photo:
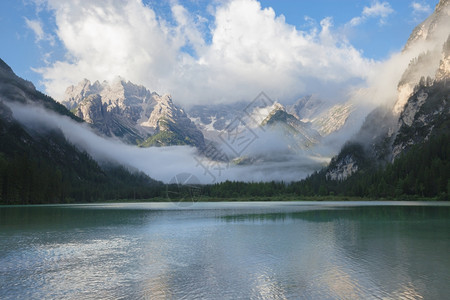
(281, 250)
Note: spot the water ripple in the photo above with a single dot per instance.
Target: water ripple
(286, 251)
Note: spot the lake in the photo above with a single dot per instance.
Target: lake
(261, 250)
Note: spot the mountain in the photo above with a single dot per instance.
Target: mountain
(38, 164)
(436, 24)
(295, 130)
(302, 125)
(421, 111)
(135, 115)
(172, 126)
(306, 108)
(214, 119)
(434, 30)
(322, 117)
(326, 118)
(14, 88)
(132, 114)
(333, 119)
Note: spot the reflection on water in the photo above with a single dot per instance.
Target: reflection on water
(225, 251)
(357, 213)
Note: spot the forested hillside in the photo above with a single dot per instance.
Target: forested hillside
(423, 171)
(38, 165)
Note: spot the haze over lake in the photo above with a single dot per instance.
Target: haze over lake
(226, 250)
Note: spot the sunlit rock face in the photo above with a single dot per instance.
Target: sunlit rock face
(426, 42)
(76, 93)
(422, 107)
(404, 92)
(426, 114)
(433, 27)
(333, 119)
(91, 110)
(130, 112)
(427, 110)
(411, 109)
(306, 121)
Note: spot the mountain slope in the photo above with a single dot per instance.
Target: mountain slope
(427, 38)
(422, 171)
(300, 129)
(14, 88)
(132, 114)
(38, 165)
(296, 131)
(418, 116)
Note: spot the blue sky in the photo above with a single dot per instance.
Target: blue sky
(202, 49)
(376, 39)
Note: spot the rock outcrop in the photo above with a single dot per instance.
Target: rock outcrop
(131, 113)
(422, 108)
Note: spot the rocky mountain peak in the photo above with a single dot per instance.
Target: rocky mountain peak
(123, 93)
(433, 26)
(429, 36)
(306, 108)
(164, 109)
(422, 108)
(76, 93)
(117, 93)
(132, 113)
(275, 109)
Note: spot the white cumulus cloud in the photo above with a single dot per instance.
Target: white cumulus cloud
(251, 49)
(105, 39)
(380, 10)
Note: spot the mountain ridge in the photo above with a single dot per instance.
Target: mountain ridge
(132, 113)
(389, 132)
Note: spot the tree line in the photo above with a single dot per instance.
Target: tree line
(423, 171)
(24, 180)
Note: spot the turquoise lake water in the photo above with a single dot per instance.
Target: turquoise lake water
(263, 250)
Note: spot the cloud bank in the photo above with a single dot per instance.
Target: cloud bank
(163, 163)
(246, 50)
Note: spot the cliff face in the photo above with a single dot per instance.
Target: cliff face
(429, 35)
(427, 111)
(433, 27)
(422, 106)
(426, 114)
(131, 112)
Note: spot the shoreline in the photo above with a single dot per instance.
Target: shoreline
(280, 198)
